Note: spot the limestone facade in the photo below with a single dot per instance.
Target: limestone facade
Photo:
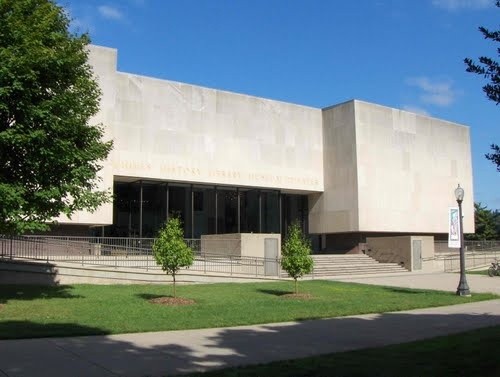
(363, 167)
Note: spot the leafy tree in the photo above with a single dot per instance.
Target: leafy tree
(494, 156)
(49, 154)
(496, 215)
(490, 69)
(170, 250)
(485, 221)
(295, 254)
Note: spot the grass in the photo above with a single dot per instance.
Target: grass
(39, 311)
(478, 272)
(473, 353)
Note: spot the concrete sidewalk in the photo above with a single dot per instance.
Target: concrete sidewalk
(175, 352)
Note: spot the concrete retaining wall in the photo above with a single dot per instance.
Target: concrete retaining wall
(399, 250)
(238, 244)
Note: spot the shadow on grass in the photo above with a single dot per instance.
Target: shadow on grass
(410, 291)
(23, 329)
(33, 292)
(274, 292)
(149, 296)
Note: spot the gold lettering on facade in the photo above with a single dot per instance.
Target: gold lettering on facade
(132, 165)
(182, 171)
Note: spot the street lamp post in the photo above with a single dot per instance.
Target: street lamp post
(463, 287)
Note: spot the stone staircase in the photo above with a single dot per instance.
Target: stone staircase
(351, 264)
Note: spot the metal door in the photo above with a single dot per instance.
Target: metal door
(271, 255)
(417, 254)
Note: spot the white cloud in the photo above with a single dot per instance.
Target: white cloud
(82, 25)
(110, 12)
(438, 92)
(81, 19)
(453, 5)
(416, 110)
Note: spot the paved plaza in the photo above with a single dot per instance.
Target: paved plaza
(442, 281)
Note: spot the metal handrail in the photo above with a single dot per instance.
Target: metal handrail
(473, 259)
(84, 252)
(469, 245)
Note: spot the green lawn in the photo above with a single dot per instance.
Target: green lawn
(478, 272)
(36, 311)
(474, 353)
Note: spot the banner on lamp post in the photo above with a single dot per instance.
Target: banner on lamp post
(454, 228)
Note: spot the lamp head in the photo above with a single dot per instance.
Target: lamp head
(459, 194)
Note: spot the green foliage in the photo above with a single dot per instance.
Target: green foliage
(496, 215)
(49, 154)
(170, 250)
(494, 156)
(489, 69)
(485, 221)
(295, 254)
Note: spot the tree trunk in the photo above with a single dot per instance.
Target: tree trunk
(296, 290)
(173, 275)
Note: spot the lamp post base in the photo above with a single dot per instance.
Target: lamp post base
(463, 289)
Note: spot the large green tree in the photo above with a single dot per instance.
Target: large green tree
(489, 68)
(50, 154)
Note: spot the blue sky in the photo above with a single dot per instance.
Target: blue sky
(406, 54)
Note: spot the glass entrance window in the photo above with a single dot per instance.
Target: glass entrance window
(249, 211)
(294, 210)
(179, 205)
(141, 208)
(154, 208)
(126, 210)
(227, 210)
(203, 211)
(270, 212)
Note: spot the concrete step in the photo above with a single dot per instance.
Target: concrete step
(347, 256)
(340, 263)
(350, 264)
(381, 266)
(345, 273)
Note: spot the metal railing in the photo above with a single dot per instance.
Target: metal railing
(477, 254)
(109, 243)
(469, 245)
(131, 253)
(472, 260)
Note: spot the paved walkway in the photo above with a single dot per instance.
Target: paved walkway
(175, 352)
(444, 281)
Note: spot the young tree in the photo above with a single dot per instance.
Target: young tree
(169, 249)
(49, 153)
(295, 254)
(490, 69)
